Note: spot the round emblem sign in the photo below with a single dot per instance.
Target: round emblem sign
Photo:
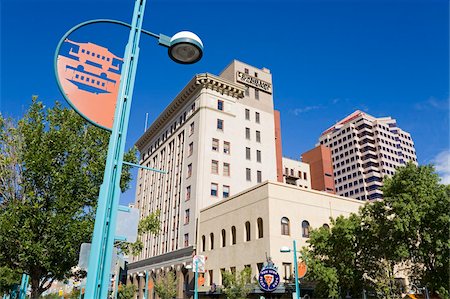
(268, 279)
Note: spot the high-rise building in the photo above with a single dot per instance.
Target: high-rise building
(215, 139)
(321, 168)
(364, 149)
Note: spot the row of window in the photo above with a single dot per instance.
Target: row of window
(248, 175)
(215, 190)
(248, 154)
(94, 54)
(291, 172)
(257, 135)
(87, 79)
(233, 240)
(257, 116)
(215, 168)
(226, 146)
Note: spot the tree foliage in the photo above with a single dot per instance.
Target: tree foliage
(126, 291)
(166, 286)
(237, 285)
(405, 234)
(51, 165)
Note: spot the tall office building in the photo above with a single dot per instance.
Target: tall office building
(321, 168)
(215, 139)
(364, 149)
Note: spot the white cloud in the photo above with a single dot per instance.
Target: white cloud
(433, 103)
(298, 111)
(442, 165)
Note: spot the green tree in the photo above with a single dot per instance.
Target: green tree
(51, 167)
(166, 286)
(237, 286)
(406, 234)
(126, 291)
(9, 280)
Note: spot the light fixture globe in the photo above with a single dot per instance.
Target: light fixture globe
(185, 48)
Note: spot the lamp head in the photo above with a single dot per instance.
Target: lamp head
(185, 48)
(140, 274)
(285, 249)
(189, 267)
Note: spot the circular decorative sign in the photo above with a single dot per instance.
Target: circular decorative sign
(268, 279)
(89, 78)
(302, 269)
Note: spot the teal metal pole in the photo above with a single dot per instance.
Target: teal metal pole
(297, 285)
(146, 285)
(98, 279)
(196, 280)
(23, 286)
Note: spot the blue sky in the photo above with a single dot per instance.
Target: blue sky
(328, 58)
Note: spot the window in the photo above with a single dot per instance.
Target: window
(226, 147)
(247, 114)
(186, 240)
(210, 277)
(245, 70)
(257, 119)
(258, 156)
(233, 235)
(191, 128)
(258, 136)
(248, 174)
(226, 169)
(256, 94)
(247, 153)
(203, 243)
(224, 238)
(287, 269)
(189, 171)
(305, 176)
(247, 91)
(211, 241)
(215, 144)
(258, 176)
(226, 191)
(259, 223)
(247, 231)
(305, 229)
(188, 193)
(220, 124)
(186, 216)
(285, 226)
(214, 167)
(247, 133)
(191, 149)
(214, 188)
(220, 105)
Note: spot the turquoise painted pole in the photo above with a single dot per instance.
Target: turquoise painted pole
(98, 279)
(196, 280)
(297, 285)
(23, 286)
(146, 285)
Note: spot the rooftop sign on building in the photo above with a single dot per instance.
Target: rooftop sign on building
(254, 82)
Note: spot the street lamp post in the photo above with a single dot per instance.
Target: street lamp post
(287, 249)
(195, 277)
(185, 48)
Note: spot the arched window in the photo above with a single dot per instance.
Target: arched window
(211, 239)
(260, 228)
(247, 231)
(224, 238)
(233, 235)
(203, 243)
(325, 225)
(285, 226)
(305, 229)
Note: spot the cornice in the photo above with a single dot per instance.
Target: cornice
(200, 81)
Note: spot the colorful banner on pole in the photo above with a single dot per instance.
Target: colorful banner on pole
(89, 78)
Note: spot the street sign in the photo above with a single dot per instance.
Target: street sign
(88, 76)
(200, 266)
(127, 224)
(85, 251)
(302, 269)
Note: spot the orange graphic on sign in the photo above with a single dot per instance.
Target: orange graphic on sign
(302, 268)
(269, 279)
(201, 280)
(150, 285)
(89, 76)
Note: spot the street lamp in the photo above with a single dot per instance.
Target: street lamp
(285, 249)
(423, 289)
(185, 48)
